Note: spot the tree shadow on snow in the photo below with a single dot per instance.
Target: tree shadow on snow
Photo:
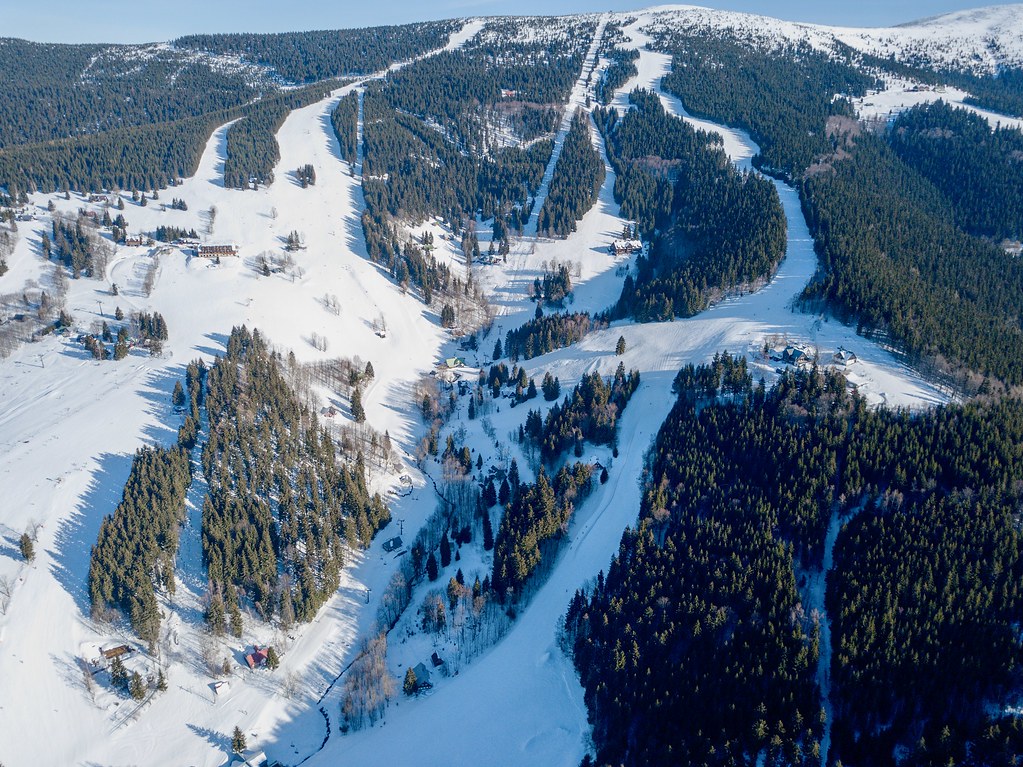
(78, 532)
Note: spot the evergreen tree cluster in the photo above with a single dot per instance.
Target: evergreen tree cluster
(697, 646)
(134, 553)
(715, 228)
(534, 520)
(170, 233)
(589, 413)
(306, 175)
(578, 176)
(54, 92)
(144, 157)
(976, 167)
(281, 509)
(496, 77)
(306, 57)
(77, 246)
(621, 66)
(547, 333)
(893, 261)
(345, 121)
(783, 96)
(554, 286)
(252, 149)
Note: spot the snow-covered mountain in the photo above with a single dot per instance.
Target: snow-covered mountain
(983, 41)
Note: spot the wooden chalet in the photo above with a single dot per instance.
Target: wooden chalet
(624, 247)
(423, 677)
(110, 652)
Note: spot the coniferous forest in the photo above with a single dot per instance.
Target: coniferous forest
(698, 645)
(282, 509)
(578, 176)
(714, 228)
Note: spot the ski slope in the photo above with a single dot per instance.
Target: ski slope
(69, 426)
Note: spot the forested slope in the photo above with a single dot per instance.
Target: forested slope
(697, 647)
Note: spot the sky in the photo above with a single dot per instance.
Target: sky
(121, 21)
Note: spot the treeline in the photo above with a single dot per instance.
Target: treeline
(976, 167)
(306, 57)
(252, 149)
(783, 97)
(578, 176)
(893, 261)
(589, 414)
(547, 333)
(716, 228)
(696, 647)
(345, 121)
(534, 520)
(281, 509)
(143, 157)
(134, 554)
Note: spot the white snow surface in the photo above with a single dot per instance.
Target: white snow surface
(69, 426)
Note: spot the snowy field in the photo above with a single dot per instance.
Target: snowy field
(69, 426)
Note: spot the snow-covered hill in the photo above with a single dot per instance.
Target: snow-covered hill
(984, 40)
(69, 425)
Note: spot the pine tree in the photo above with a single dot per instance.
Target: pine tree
(620, 346)
(445, 550)
(358, 412)
(369, 370)
(161, 681)
(28, 549)
(409, 687)
(118, 314)
(238, 740)
(431, 567)
(136, 687)
(488, 531)
(498, 351)
(118, 673)
(178, 397)
(272, 659)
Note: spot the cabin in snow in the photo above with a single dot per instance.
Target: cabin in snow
(206, 250)
(844, 357)
(391, 544)
(256, 658)
(625, 247)
(422, 677)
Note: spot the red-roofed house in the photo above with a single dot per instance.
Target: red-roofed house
(257, 658)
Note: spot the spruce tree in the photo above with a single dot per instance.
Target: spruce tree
(445, 550)
(136, 687)
(358, 412)
(620, 346)
(488, 531)
(431, 567)
(409, 687)
(238, 740)
(28, 549)
(272, 659)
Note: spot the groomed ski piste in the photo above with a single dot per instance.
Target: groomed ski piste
(69, 427)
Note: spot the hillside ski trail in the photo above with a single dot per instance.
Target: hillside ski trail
(576, 100)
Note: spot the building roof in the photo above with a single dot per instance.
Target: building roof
(422, 675)
(257, 657)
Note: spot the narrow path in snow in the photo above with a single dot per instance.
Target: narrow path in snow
(576, 100)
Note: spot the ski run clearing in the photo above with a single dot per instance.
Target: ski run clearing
(70, 425)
